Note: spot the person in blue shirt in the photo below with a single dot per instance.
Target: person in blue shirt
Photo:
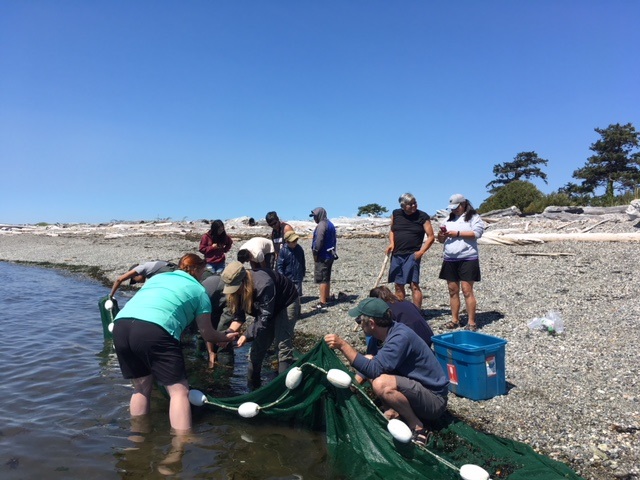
(323, 247)
(146, 337)
(405, 374)
(291, 262)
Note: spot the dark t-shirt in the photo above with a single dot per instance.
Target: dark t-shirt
(277, 237)
(408, 231)
(407, 313)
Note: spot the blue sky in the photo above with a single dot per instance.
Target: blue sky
(144, 110)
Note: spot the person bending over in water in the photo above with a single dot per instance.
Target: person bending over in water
(140, 273)
(146, 337)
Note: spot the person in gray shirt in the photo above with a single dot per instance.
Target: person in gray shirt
(139, 273)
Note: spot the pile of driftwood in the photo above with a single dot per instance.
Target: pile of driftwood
(565, 217)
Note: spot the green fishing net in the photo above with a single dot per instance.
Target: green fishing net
(361, 447)
(107, 315)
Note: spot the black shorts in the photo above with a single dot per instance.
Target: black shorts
(144, 348)
(460, 271)
(322, 271)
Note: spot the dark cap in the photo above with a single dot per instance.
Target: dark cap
(371, 307)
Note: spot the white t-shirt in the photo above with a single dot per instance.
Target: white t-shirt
(258, 247)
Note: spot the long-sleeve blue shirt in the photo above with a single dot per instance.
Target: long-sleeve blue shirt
(405, 354)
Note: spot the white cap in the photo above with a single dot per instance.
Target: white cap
(455, 200)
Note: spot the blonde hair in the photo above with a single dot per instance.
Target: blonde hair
(242, 299)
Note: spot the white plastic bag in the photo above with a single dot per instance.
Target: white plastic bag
(552, 323)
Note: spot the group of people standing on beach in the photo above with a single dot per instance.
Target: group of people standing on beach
(403, 371)
(411, 235)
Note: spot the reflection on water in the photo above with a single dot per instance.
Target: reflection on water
(65, 405)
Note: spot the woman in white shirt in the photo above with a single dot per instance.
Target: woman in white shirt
(461, 265)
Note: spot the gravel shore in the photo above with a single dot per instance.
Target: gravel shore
(574, 396)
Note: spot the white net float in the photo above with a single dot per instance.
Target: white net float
(473, 472)
(248, 409)
(339, 378)
(294, 377)
(399, 430)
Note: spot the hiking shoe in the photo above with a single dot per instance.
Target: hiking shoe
(421, 437)
(320, 306)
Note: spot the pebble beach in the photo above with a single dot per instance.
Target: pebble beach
(573, 396)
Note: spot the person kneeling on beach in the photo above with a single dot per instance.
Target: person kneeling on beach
(405, 374)
(146, 337)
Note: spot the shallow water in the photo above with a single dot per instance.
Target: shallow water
(65, 405)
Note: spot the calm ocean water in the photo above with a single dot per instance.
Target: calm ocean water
(65, 405)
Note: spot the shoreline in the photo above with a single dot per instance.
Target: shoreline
(574, 397)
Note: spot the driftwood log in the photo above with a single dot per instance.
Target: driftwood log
(548, 254)
(505, 212)
(497, 238)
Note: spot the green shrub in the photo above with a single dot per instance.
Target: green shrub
(604, 201)
(555, 198)
(518, 193)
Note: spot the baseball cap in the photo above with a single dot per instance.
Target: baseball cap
(371, 307)
(232, 276)
(455, 200)
(291, 236)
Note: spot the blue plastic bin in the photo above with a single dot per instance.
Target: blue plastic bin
(474, 363)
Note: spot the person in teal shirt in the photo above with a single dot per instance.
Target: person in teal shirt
(146, 336)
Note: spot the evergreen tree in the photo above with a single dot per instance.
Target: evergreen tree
(372, 209)
(523, 166)
(614, 166)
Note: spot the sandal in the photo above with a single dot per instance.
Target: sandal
(451, 325)
(471, 327)
(421, 437)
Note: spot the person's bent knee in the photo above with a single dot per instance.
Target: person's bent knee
(383, 383)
